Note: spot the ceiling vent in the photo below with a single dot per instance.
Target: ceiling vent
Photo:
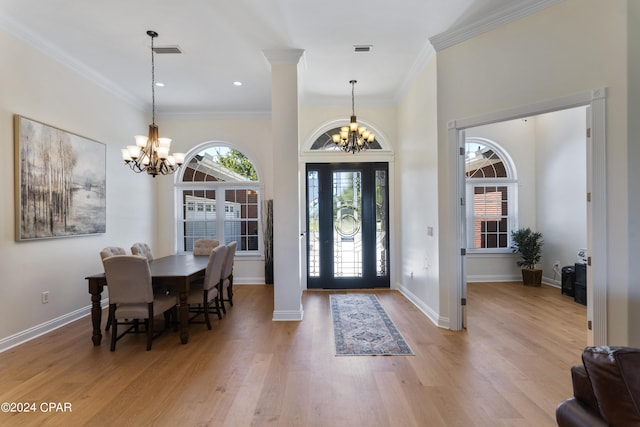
(362, 48)
(167, 49)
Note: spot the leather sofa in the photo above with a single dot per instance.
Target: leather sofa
(606, 389)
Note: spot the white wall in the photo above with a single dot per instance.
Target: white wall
(561, 160)
(417, 202)
(545, 56)
(43, 89)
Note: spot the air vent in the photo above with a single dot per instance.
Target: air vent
(167, 49)
(363, 48)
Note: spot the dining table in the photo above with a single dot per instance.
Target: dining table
(175, 273)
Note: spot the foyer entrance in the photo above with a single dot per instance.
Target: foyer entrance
(347, 225)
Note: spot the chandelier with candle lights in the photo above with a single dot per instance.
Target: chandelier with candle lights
(151, 153)
(353, 138)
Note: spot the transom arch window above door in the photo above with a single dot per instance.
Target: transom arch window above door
(491, 194)
(219, 198)
(324, 142)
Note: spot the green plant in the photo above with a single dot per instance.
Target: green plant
(529, 245)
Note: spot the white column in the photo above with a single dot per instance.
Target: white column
(286, 229)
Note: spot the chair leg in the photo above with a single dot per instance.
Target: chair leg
(217, 301)
(230, 292)
(114, 326)
(221, 298)
(150, 328)
(205, 304)
(109, 321)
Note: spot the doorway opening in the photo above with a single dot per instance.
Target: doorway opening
(595, 207)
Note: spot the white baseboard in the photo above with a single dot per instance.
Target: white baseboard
(494, 278)
(248, 281)
(441, 322)
(288, 315)
(46, 327)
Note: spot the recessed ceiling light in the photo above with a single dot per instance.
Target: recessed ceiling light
(237, 83)
(160, 84)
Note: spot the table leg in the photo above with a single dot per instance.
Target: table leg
(96, 314)
(184, 317)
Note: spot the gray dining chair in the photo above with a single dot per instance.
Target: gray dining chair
(201, 295)
(105, 253)
(204, 246)
(143, 249)
(226, 276)
(111, 251)
(131, 297)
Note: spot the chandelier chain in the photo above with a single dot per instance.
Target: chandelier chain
(153, 83)
(353, 97)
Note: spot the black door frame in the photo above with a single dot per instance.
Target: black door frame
(369, 278)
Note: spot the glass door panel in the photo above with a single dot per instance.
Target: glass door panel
(313, 225)
(347, 237)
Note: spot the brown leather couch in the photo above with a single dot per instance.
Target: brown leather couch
(606, 389)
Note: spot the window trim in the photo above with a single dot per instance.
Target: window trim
(510, 181)
(219, 186)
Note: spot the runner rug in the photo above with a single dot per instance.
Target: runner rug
(361, 327)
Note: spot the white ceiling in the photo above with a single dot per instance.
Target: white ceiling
(223, 41)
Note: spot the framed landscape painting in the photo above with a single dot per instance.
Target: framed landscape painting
(60, 182)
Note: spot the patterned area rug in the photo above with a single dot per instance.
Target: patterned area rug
(361, 327)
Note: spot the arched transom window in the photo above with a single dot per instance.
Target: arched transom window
(325, 143)
(490, 195)
(219, 199)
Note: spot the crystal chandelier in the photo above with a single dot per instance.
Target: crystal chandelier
(151, 153)
(353, 138)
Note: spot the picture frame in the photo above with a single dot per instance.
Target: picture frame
(60, 182)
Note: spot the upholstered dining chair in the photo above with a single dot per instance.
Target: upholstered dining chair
(226, 277)
(143, 249)
(111, 251)
(105, 253)
(131, 296)
(204, 246)
(201, 295)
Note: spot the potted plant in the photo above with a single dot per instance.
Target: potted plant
(528, 244)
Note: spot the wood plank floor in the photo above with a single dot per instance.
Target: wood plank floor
(509, 368)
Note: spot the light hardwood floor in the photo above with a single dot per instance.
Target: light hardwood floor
(509, 368)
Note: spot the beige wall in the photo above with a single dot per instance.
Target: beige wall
(43, 89)
(572, 47)
(633, 16)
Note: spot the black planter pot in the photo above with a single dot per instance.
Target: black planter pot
(531, 277)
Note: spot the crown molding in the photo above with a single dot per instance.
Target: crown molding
(214, 115)
(500, 17)
(29, 37)
(424, 57)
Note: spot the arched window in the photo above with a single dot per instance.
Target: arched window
(325, 143)
(219, 199)
(490, 194)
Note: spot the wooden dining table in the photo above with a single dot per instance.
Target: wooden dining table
(174, 272)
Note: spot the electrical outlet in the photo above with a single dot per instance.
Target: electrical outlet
(45, 297)
(556, 264)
